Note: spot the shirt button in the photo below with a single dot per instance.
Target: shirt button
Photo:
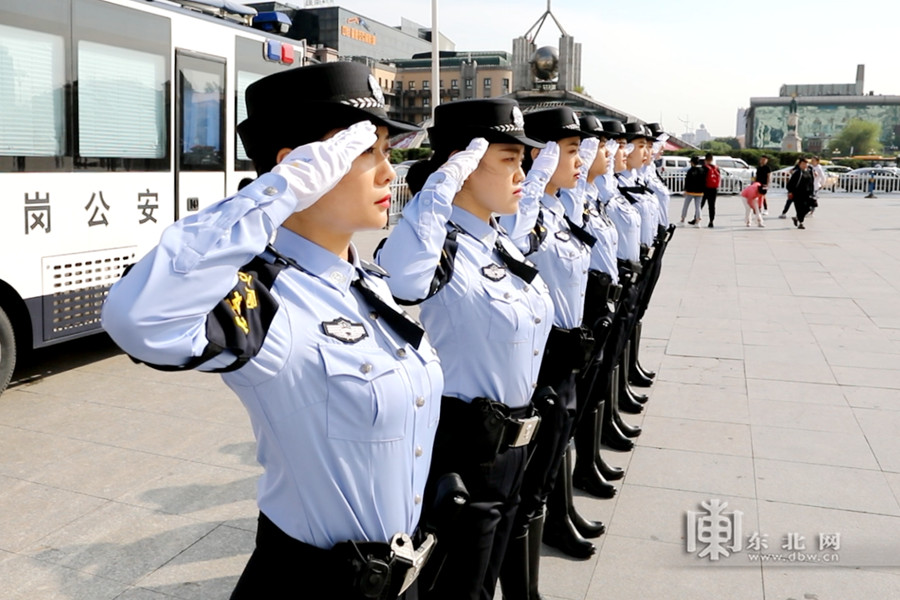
(401, 352)
(417, 499)
(336, 277)
(420, 401)
(270, 191)
(507, 295)
(536, 352)
(366, 368)
(373, 315)
(434, 350)
(534, 385)
(537, 320)
(419, 451)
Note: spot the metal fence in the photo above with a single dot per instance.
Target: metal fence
(845, 183)
(399, 197)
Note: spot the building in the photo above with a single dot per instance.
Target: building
(352, 34)
(823, 110)
(463, 75)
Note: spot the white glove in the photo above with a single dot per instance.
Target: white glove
(587, 152)
(542, 168)
(663, 138)
(657, 146)
(612, 146)
(313, 169)
(629, 148)
(459, 166)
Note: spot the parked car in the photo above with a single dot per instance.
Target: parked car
(674, 164)
(886, 179)
(736, 174)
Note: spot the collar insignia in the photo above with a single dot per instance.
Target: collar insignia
(494, 272)
(343, 330)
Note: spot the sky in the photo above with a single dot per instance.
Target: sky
(678, 63)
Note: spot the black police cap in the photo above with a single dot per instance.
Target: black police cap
(554, 124)
(656, 129)
(498, 120)
(595, 126)
(614, 129)
(634, 131)
(297, 106)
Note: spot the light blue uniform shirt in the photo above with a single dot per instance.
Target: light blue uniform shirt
(624, 216)
(646, 205)
(488, 325)
(583, 209)
(651, 179)
(344, 429)
(562, 259)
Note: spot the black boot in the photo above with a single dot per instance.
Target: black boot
(559, 530)
(625, 388)
(521, 565)
(588, 529)
(624, 398)
(610, 435)
(586, 475)
(627, 430)
(636, 359)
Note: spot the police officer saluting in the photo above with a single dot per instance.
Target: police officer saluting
(343, 390)
(561, 251)
(488, 313)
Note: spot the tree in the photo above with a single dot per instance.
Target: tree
(731, 141)
(857, 137)
(716, 147)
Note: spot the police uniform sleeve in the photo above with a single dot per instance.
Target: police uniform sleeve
(187, 296)
(414, 252)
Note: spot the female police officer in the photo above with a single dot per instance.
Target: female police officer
(488, 314)
(560, 249)
(342, 391)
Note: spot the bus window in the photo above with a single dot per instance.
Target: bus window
(122, 83)
(201, 130)
(31, 92)
(121, 107)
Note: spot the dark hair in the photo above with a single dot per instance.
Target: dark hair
(708, 156)
(420, 171)
(695, 160)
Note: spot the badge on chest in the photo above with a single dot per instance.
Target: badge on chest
(563, 235)
(494, 272)
(344, 330)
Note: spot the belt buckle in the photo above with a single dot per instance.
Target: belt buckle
(527, 428)
(413, 558)
(650, 252)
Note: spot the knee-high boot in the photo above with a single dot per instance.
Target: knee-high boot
(610, 435)
(559, 529)
(628, 401)
(521, 564)
(587, 474)
(639, 373)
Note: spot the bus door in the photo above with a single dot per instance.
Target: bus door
(200, 122)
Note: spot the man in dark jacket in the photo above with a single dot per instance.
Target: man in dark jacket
(801, 189)
(711, 189)
(694, 187)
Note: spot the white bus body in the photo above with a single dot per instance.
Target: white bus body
(116, 118)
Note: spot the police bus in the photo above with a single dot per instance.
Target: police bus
(117, 117)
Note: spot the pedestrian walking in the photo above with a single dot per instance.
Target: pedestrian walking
(713, 178)
(694, 188)
(801, 189)
(342, 389)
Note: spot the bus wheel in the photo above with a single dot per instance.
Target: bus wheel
(7, 350)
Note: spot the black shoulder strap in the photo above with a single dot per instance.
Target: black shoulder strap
(538, 233)
(443, 272)
(240, 321)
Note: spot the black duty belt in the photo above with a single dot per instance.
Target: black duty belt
(600, 287)
(487, 426)
(629, 270)
(357, 570)
(571, 348)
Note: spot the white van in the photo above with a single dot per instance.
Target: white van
(673, 164)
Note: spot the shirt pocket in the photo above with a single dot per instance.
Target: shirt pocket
(367, 394)
(508, 318)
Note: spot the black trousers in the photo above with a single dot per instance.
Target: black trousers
(709, 197)
(547, 453)
(467, 559)
(802, 206)
(282, 568)
(787, 205)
